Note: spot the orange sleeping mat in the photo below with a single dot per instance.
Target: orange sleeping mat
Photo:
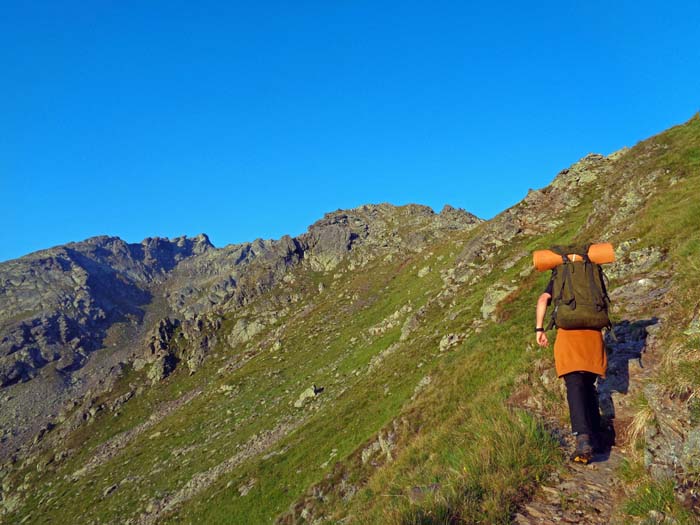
(601, 253)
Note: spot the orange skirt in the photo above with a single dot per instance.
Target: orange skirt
(579, 350)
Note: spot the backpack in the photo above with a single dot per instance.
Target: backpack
(579, 295)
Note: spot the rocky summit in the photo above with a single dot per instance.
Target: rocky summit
(379, 368)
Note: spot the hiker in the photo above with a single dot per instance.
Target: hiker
(579, 358)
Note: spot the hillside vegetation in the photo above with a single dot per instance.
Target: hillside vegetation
(383, 368)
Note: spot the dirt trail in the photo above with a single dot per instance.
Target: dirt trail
(584, 494)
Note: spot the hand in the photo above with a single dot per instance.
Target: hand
(542, 339)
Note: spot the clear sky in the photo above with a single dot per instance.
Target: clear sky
(253, 119)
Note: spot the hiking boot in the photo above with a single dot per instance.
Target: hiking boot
(584, 450)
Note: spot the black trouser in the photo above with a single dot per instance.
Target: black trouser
(583, 402)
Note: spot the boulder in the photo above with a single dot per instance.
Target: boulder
(493, 297)
(307, 394)
(449, 341)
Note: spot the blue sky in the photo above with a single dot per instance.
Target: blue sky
(253, 119)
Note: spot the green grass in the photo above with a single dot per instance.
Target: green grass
(657, 497)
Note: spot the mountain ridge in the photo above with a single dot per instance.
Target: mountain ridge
(102, 265)
(378, 368)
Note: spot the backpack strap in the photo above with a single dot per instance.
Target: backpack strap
(606, 300)
(564, 251)
(552, 322)
(604, 281)
(559, 295)
(599, 293)
(596, 293)
(567, 281)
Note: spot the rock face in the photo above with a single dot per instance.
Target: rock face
(56, 304)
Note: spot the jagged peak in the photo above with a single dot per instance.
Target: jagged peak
(459, 214)
(99, 239)
(200, 240)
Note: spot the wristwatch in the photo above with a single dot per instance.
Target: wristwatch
(539, 329)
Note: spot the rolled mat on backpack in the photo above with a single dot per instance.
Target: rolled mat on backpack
(601, 253)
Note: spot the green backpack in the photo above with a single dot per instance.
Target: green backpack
(579, 296)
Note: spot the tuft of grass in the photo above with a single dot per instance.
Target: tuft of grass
(643, 418)
(656, 500)
(631, 470)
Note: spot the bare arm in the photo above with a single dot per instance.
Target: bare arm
(539, 318)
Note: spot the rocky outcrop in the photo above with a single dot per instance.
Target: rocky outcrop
(61, 316)
(172, 342)
(457, 218)
(158, 343)
(391, 321)
(630, 260)
(412, 323)
(329, 239)
(244, 330)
